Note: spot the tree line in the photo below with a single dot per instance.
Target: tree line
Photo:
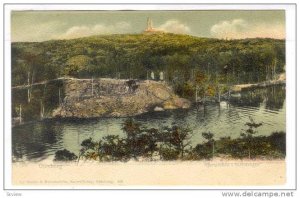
(133, 56)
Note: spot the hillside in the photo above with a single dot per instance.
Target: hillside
(133, 56)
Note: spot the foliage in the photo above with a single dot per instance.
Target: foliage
(168, 153)
(248, 134)
(273, 146)
(208, 136)
(210, 142)
(64, 155)
(88, 144)
(173, 143)
(113, 148)
(138, 142)
(203, 151)
(179, 138)
(278, 141)
(78, 66)
(179, 56)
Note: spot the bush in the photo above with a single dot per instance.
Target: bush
(88, 144)
(113, 148)
(278, 141)
(203, 151)
(236, 148)
(64, 155)
(272, 146)
(173, 143)
(168, 153)
(179, 138)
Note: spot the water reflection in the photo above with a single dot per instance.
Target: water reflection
(273, 97)
(36, 140)
(39, 140)
(276, 98)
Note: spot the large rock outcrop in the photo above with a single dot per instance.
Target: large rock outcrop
(86, 98)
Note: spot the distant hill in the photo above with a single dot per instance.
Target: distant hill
(135, 55)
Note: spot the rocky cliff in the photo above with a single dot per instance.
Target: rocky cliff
(85, 98)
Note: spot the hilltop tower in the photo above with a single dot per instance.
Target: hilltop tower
(150, 28)
(149, 24)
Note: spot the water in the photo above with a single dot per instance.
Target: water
(39, 140)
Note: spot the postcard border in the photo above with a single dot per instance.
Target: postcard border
(200, 189)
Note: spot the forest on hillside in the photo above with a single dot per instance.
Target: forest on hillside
(182, 58)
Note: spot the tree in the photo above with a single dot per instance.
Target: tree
(78, 66)
(210, 140)
(132, 130)
(200, 84)
(248, 60)
(89, 149)
(248, 134)
(113, 146)
(152, 138)
(179, 137)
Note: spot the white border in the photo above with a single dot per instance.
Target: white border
(290, 70)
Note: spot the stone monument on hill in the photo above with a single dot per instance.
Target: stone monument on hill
(150, 29)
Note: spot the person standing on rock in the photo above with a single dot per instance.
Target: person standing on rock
(152, 75)
(161, 76)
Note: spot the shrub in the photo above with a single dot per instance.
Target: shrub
(210, 140)
(203, 151)
(88, 144)
(168, 153)
(179, 138)
(173, 143)
(113, 148)
(64, 155)
(278, 141)
(247, 135)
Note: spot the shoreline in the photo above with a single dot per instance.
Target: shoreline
(186, 103)
(240, 87)
(74, 119)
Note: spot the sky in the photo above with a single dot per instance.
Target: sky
(36, 26)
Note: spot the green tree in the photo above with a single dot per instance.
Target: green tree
(77, 66)
(180, 138)
(210, 140)
(247, 135)
(132, 130)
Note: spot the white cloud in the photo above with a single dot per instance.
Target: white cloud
(82, 31)
(239, 29)
(174, 26)
(229, 28)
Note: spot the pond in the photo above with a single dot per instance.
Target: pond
(39, 140)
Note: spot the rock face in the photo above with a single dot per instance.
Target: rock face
(86, 98)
